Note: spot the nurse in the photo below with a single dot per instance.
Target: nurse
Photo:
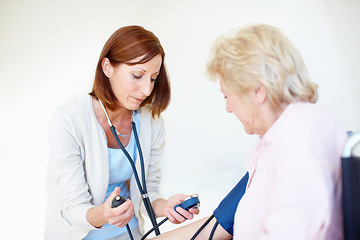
(87, 168)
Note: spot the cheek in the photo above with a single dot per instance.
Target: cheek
(245, 115)
(232, 106)
(236, 108)
(152, 87)
(249, 119)
(240, 115)
(117, 89)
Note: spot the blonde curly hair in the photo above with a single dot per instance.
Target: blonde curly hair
(261, 54)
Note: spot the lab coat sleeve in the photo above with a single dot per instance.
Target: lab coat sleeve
(156, 154)
(66, 169)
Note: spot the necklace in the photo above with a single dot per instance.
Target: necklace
(110, 123)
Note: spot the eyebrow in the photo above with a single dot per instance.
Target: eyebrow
(140, 69)
(145, 70)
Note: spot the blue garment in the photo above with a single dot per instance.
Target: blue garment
(225, 212)
(120, 172)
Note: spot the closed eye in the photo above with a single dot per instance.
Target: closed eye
(136, 76)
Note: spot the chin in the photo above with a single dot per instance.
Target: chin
(133, 107)
(249, 131)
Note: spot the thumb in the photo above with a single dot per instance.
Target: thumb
(115, 193)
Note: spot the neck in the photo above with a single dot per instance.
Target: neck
(116, 116)
(271, 115)
(119, 114)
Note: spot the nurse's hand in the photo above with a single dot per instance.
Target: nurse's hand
(180, 215)
(121, 215)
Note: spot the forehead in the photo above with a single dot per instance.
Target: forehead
(223, 87)
(155, 62)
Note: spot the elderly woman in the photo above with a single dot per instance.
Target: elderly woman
(294, 174)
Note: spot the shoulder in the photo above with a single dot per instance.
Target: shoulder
(147, 120)
(308, 118)
(72, 110)
(308, 129)
(75, 104)
(151, 129)
(308, 111)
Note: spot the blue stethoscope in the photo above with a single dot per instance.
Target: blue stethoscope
(192, 202)
(142, 188)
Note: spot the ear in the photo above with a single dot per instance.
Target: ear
(107, 67)
(261, 94)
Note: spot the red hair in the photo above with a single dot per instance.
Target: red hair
(124, 45)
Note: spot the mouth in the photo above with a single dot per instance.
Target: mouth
(138, 99)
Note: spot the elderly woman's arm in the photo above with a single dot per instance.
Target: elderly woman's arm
(187, 231)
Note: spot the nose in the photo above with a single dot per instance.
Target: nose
(227, 107)
(147, 87)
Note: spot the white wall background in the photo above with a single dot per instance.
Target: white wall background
(49, 50)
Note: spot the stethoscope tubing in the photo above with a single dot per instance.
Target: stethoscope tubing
(213, 230)
(113, 130)
(202, 227)
(129, 232)
(140, 155)
(142, 189)
(154, 228)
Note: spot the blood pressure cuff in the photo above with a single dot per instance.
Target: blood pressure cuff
(225, 212)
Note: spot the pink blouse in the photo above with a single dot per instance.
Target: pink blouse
(294, 188)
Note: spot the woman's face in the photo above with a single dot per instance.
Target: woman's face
(133, 84)
(245, 108)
